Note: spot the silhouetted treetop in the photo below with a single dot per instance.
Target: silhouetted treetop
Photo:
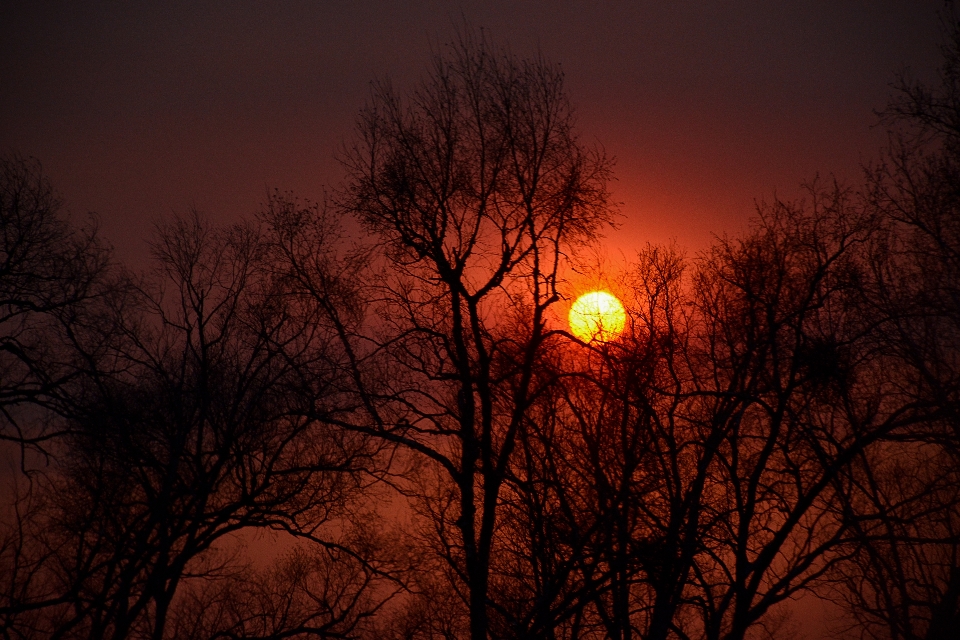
(479, 164)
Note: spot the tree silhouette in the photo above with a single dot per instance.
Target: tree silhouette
(474, 189)
(50, 273)
(907, 578)
(206, 427)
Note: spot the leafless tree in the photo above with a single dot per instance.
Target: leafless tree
(50, 272)
(703, 470)
(790, 393)
(213, 426)
(474, 187)
(579, 536)
(906, 580)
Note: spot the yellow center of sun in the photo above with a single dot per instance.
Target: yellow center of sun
(597, 316)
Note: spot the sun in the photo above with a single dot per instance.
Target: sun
(597, 315)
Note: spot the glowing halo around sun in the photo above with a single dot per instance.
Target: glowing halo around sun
(597, 315)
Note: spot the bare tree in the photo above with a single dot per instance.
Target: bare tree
(213, 425)
(310, 592)
(694, 476)
(474, 187)
(580, 537)
(49, 272)
(791, 394)
(905, 581)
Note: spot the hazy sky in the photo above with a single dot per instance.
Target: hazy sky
(138, 109)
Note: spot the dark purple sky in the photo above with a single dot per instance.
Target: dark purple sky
(138, 109)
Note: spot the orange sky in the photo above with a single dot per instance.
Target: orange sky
(139, 110)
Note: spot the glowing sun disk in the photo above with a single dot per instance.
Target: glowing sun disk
(597, 315)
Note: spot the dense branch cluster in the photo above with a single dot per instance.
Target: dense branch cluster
(280, 432)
